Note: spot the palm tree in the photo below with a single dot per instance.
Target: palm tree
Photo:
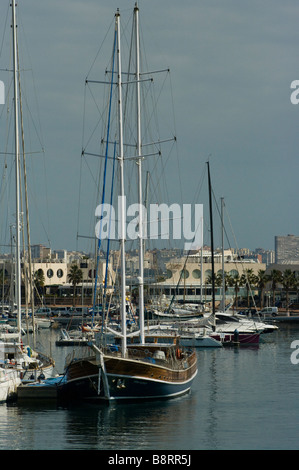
(288, 281)
(249, 279)
(4, 282)
(262, 280)
(75, 277)
(219, 283)
(236, 282)
(275, 278)
(39, 281)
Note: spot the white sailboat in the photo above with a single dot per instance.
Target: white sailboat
(9, 377)
(18, 362)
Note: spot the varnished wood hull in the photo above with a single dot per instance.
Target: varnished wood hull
(128, 379)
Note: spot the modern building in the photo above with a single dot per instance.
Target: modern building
(56, 275)
(53, 273)
(265, 256)
(190, 279)
(40, 252)
(286, 249)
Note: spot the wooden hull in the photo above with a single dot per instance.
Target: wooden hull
(128, 379)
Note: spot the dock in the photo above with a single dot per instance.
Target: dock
(44, 389)
(282, 317)
(286, 318)
(71, 340)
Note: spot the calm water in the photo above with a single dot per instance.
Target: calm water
(242, 399)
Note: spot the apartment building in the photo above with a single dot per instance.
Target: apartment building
(286, 249)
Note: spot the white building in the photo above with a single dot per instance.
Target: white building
(54, 273)
(189, 279)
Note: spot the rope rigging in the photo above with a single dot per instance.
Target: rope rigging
(104, 178)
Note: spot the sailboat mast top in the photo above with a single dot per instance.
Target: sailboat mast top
(17, 168)
(212, 244)
(139, 163)
(122, 189)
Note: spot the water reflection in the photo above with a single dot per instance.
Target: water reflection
(241, 399)
(151, 425)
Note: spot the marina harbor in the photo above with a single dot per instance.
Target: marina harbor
(132, 319)
(234, 386)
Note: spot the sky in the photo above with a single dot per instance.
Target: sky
(232, 64)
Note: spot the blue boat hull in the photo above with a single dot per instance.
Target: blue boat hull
(124, 379)
(124, 388)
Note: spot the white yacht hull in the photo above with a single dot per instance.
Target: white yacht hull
(9, 381)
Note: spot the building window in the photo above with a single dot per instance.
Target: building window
(59, 273)
(168, 274)
(184, 274)
(50, 273)
(196, 273)
(233, 272)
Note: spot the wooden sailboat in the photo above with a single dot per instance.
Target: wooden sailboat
(155, 367)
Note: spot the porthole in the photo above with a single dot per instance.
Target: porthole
(196, 273)
(169, 274)
(184, 274)
(233, 272)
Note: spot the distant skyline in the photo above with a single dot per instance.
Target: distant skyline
(232, 65)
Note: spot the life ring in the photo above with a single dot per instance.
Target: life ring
(178, 353)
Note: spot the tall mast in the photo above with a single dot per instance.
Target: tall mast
(141, 252)
(17, 169)
(122, 191)
(212, 245)
(222, 236)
